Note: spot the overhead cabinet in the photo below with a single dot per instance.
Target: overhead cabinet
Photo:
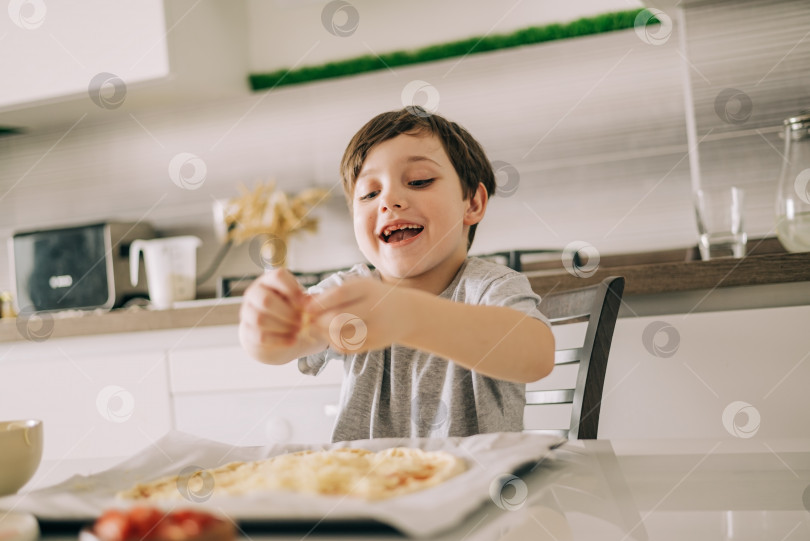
(61, 61)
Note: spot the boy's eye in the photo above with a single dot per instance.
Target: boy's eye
(369, 195)
(421, 183)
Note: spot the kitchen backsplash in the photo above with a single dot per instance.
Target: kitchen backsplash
(589, 136)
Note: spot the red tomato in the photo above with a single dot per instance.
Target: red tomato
(113, 525)
(170, 532)
(193, 527)
(151, 524)
(143, 520)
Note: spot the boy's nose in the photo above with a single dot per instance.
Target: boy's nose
(387, 206)
(392, 200)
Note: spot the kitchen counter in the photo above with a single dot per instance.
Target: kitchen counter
(191, 314)
(683, 287)
(777, 278)
(680, 276)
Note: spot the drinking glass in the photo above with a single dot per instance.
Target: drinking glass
(719, 212)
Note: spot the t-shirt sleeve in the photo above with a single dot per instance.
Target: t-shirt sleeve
(513, 290)
(312, 365)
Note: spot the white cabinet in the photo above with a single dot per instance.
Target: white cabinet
(93, 60)
(54, 49)
(296, 415)
(734, 373)
(221, 393)
(742, 373)
(111, 395)
(101, 405)
(737, 373)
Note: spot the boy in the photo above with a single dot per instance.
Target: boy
(434, 343)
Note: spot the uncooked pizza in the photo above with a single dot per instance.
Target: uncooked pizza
(352, 472)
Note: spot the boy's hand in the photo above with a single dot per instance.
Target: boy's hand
(271, 315)
(361, 315)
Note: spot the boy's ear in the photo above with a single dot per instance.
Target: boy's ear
(476, 206)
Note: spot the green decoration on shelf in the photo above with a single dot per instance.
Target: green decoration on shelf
(607, 22)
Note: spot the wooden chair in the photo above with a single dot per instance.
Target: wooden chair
(599, 306)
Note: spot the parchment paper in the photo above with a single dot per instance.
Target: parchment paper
(418, 514)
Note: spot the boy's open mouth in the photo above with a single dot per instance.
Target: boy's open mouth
(401, 232)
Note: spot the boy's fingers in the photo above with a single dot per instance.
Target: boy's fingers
(335, 299)
(269, 322)
(255, 335)
(283, 283)
(277, 293)
(265, 304)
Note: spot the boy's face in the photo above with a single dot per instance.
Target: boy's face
(410, 216)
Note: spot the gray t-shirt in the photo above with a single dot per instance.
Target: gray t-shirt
(403, 392)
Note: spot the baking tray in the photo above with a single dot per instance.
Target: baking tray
(489, 457)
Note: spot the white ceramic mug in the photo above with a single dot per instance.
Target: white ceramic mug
(171, 268)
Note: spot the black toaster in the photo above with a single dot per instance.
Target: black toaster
(76, 268)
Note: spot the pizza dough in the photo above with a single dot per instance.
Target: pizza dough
(353, 472)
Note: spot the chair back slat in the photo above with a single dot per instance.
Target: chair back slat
(599, 306)
(567, 356)
(549, 432)
(576, 318)
(557, 396)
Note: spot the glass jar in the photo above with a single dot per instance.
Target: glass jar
(793, 196)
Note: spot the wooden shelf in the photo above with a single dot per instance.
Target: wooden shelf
(668, 271)
(686, 275)
(64, 325)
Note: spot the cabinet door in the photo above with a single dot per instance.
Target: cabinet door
(740, 373)
(195, 370)
(76, 43)
(293, 415)
(91, 406)
(220, 393)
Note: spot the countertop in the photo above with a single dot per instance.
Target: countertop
(189, 314)
(662, 276)
(668, 277)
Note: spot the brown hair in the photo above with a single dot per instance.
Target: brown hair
(465, 153)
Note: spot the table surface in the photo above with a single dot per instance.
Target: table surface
(730, 489)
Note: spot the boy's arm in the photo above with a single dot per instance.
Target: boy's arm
(496, 341)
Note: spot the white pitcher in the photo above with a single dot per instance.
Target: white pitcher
(171, 268)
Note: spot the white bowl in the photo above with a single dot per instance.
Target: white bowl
(20, 453)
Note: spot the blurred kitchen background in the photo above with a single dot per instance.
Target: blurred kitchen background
(598, 128)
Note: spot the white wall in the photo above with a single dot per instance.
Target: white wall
(285, 33)
(594, 126)
(557, 112)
